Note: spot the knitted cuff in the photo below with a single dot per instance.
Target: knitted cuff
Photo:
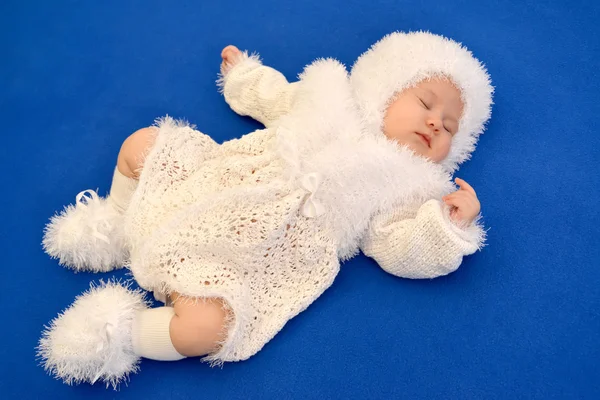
(243, 63)
(150, 334)
(471, 234)
(121, 190)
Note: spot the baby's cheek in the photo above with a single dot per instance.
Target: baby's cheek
(443, 150)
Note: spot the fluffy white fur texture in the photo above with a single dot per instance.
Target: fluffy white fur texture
(359, 167)
(401, 60)
(91, 339)
(88, 235)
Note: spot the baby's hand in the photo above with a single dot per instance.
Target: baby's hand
(464, 203)
(229, 56)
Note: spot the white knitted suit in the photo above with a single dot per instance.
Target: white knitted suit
(263, 221)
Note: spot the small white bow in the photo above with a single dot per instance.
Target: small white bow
(288, 150)
(311, 207)
(105, 334)
(83, 200)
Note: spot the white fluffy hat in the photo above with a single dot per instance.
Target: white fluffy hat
(401, 60)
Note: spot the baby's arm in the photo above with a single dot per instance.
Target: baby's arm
(252, 89)
(425, 245)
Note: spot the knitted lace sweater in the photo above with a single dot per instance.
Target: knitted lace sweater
(263, 221)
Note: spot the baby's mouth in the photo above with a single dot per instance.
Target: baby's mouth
(425, 138)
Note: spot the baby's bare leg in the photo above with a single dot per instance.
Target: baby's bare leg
(198, 324)
(133, 151)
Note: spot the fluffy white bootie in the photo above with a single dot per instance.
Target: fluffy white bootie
(88, 236)
(92, 339)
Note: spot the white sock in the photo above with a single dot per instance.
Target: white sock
(121, 190)
(150, 334)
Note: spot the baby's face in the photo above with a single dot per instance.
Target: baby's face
(425, 118)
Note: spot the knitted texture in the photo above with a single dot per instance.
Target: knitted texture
(150, 334)
(219, 232)
(261, 93)
(424, 245)
(263, 221)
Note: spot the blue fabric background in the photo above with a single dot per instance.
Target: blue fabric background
(518, 320)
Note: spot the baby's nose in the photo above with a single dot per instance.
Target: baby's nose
(435, 124)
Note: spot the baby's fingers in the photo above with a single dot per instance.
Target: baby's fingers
(458, 196)
(461, 194)
(229, 49)
(461, 202)
(453, 201)
(464, 185)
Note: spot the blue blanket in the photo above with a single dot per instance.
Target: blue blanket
(519, 319)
